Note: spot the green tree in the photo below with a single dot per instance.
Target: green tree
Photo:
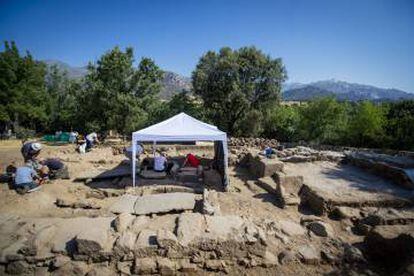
(184, 102)
(324, 120)
(232, 84)
(118, 96)
(400, 124)
(23, 98)
(367, 124)
(282, 123)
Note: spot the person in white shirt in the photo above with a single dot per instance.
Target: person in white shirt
(72, 137)
(160, 163)
(91, 139)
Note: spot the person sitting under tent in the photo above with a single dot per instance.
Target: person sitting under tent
(161, 163)
(91, 139)
(191, 160)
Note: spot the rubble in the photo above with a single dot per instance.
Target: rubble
(252, 142)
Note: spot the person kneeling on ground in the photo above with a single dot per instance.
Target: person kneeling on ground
(26, 180)
(91, 139)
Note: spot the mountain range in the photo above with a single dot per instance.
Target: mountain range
(173, 83)
(343, 91)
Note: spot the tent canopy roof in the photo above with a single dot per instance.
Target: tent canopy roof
(180, 127)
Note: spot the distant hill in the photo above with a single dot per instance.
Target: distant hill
(73, 72)
(343, 91)
(172, 83)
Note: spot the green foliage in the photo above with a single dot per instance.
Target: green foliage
(366, 127)
(232, 82)
(283, 122)
(118, 96)
(238, 90)
(400, 124)
(324, 120)
(23, 98)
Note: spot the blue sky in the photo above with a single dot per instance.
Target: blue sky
(365, 41)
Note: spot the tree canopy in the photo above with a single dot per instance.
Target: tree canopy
(237, 90)
(237, 84)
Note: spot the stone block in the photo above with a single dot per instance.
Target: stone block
(190, 228)
(125, 204)
(261, 167)
(123, 221)
(166, 239)
(164, 203)
(166, 266)
(145, 266)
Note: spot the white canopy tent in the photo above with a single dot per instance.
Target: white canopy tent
(179, 128)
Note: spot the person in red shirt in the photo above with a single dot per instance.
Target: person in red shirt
(191, 160)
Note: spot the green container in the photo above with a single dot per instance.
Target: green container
(49, 138)
(64, 137)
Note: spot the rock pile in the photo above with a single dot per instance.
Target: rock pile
(252, 142)
(304, 154)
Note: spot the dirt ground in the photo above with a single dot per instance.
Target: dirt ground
(245, 199)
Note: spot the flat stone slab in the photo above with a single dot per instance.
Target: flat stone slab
(125, 204)
(347, 185)
(163, 203)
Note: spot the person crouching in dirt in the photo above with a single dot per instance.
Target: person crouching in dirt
(30, 150)
(26, 179)
(91, 140)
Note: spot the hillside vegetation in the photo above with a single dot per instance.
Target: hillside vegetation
(237, 90)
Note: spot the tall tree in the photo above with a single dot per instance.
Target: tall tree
(367, 125)
(23, 98)
(118, 96)
(232, 84)
(400, 124)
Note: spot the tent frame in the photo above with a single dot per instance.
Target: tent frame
(212, 134)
